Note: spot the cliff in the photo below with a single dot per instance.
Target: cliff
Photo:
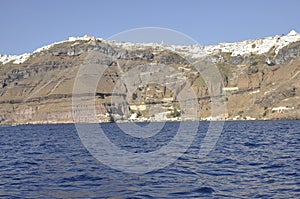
(260, 80)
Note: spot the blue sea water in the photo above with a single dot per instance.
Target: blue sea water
(257, 159)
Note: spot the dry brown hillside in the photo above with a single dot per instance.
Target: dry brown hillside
(39, 90)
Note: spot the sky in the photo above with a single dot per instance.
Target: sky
(29, 24)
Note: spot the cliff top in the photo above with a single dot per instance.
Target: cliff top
(258, 46)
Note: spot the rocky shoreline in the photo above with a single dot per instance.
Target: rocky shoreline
(69, 123)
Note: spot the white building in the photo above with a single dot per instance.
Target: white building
(281, 109)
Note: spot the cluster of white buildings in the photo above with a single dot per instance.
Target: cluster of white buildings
(258, 46)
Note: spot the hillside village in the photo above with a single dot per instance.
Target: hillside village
(260, 80)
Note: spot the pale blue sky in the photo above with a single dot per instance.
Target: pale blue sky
(30, 24)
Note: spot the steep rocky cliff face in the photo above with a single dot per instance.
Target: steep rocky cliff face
(38, 88)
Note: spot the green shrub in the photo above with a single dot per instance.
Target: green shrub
(175, 113)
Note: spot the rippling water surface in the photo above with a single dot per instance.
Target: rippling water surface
(258, 159)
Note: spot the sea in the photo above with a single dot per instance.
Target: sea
(249, 159)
